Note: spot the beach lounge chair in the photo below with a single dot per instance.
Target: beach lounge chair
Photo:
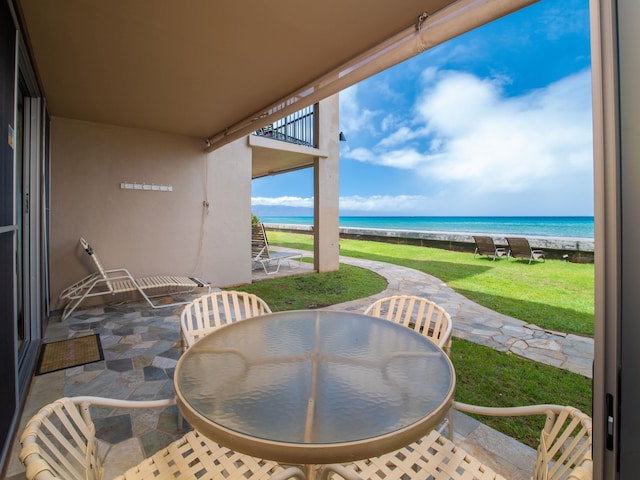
(262, 256)
(485, 246)
(520, 248)
(110, 282)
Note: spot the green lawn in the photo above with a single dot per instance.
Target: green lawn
(487, 377)
(554, 294)
(301, 292)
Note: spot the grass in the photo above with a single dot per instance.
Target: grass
(318, 290)
(554, 294)
(498, 379)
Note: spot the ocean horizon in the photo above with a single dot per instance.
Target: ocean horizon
(539, 226)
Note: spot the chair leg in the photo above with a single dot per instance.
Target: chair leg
(448, 423)
(327, 472)
(71, 306)
(291, 472)
(180, 420)
(267, 263)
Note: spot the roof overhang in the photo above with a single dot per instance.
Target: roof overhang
(272, 157)
(220, 70)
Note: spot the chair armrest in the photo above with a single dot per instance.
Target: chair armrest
(508, 411)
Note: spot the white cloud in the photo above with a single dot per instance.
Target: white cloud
(361, 154)
(401, 136)
(388, 122)
(409, 204)
(407, 158)
(283, 201)
(354, 117)
(472, 134)
(508, 144)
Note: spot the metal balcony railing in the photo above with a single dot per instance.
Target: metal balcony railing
(298, 128)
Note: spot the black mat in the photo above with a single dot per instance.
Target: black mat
(69, 353)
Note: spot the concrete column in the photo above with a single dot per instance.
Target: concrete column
(326, 187)
(227, 235)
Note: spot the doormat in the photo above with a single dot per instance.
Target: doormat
(69, 353)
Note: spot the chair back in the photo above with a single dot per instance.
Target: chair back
(87, 248)
(519, 247)
(259, 247)
(59, 442)
(420, 314)
(206, 313)
(565, 446)
(484, 245)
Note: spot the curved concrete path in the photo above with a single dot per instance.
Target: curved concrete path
(479, 324)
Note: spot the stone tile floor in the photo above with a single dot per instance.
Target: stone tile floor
(141, 347)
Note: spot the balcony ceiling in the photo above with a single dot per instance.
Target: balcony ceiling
(194, 68)
(209, 69)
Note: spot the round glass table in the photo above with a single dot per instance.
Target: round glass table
(314, 387)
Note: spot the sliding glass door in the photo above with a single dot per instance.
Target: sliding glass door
(29, 220)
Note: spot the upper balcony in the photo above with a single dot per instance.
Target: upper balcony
(293, 142)
(299, 128)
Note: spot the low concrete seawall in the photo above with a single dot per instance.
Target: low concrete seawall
(579, 250)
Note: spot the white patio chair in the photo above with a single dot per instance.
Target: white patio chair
(423, 316)
(204, 314)
(564, 452)
(111, 282)
(262, 255)
(420, 314)
(60, 442)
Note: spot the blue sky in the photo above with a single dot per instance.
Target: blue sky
(495, 122)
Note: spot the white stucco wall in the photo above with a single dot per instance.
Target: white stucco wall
(147, 232)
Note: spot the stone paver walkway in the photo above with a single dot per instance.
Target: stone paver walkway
(480, 324)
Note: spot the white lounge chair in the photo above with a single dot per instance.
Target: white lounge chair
(60, 442)
(261, 255)
(111, 282)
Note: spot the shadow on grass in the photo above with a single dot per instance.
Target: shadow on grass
(445, 271)
(555, 318)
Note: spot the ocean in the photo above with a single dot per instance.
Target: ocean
(569, 227)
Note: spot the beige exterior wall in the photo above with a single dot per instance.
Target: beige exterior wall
(229, 223)
(147, 232)
(327, 191)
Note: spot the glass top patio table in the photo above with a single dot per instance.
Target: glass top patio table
(314, 387)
